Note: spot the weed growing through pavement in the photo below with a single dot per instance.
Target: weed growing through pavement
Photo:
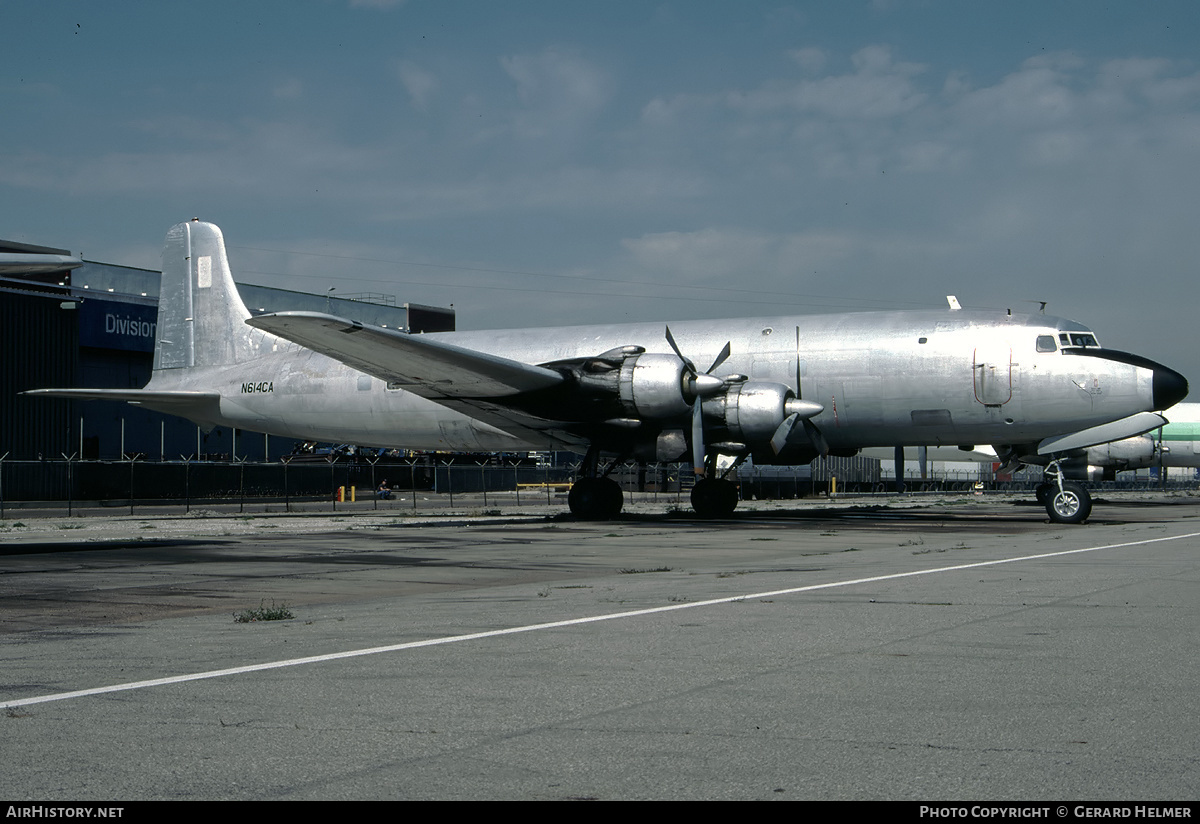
(264, 613)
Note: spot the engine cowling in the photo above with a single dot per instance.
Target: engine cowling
(1131, 453)
(752, 411)
(653, 386)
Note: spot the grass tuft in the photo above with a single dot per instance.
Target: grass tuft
(264, 613)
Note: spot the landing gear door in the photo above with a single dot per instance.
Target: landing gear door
(993, 374)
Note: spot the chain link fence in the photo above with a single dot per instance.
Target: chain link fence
(338, 480)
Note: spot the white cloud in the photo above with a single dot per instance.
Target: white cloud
(699, 256)
(878, 88)
(742, 258)
(259, 158)
(558, 91)
(1060, 173)
(1038, 93)
(419, 84)
(810, 59)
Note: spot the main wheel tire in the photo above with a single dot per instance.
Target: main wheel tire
(1071, 505)
(595, 499)
(1044, 492)
(614, 498)
(714, 498)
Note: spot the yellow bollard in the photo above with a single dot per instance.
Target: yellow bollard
(833, 484)
(352, 492)
(341, 494)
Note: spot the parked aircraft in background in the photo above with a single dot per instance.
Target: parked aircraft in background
(782, 389)
(1177, 444)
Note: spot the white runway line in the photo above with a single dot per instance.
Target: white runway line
(474, 636)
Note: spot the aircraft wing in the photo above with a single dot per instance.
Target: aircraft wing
(1137, 424)
(468, 381)
(423, 366)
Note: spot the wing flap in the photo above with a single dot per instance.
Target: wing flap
(426, 367)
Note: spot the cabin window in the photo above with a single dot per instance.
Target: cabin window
(1045, 343)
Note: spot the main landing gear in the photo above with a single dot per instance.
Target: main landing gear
(595, 496)
(595, 499)
(714, 497)
(1066, 502)
(600, 498)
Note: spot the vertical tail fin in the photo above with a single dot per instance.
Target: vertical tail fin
(201, 316)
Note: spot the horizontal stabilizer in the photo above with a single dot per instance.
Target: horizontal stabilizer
(1137, 424)
(424, 366)
(27, 263)
(131, 395)
(185, 403)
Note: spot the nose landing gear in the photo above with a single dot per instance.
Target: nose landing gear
(1066, 502)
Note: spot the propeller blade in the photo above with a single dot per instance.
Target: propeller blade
(697, 438)
(816, 438)
(780, 438)
(701, 385)
(1162, 475)
(721, 358)
(675, 347)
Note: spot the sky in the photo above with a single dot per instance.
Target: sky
(549, 163)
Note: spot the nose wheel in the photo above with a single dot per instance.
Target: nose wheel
(1070, 505)
(1066, 502)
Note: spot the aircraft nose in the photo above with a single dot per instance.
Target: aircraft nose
(1170, 387)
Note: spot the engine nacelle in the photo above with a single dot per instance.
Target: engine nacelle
(1131, 453)
(665, 447)
(652, 386)
(752, 411)
(1074, 469)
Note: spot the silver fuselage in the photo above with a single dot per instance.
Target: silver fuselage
(884, 379)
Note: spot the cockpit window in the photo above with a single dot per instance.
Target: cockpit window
(1077, 339)
(1045, 343)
